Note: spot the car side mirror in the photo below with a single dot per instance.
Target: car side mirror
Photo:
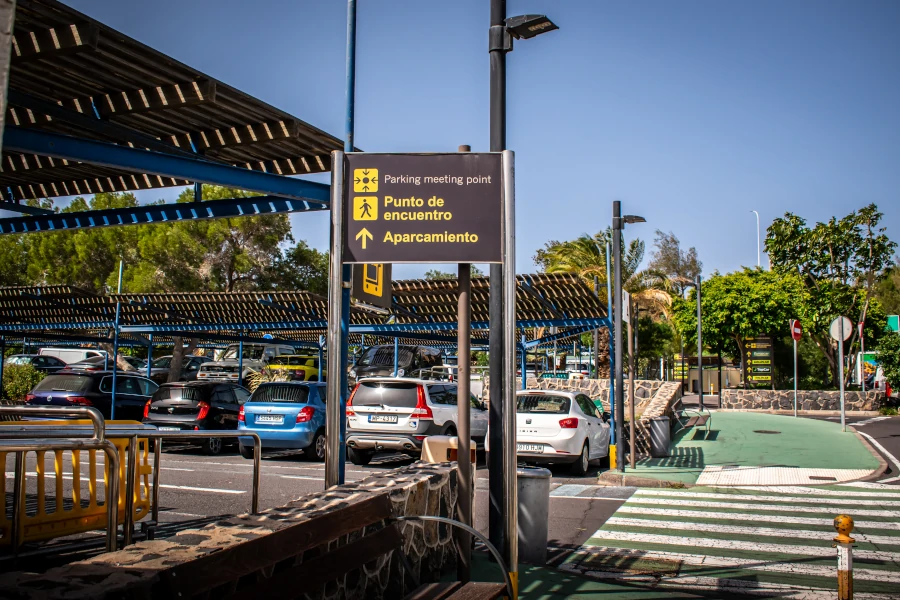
(605, 417)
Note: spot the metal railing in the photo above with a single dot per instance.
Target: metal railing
(97, 442)
(132, 434)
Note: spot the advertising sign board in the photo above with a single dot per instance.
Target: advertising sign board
(758, 364)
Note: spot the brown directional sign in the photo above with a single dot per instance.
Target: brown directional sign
(372, 284)
(758, 366)
(422, 208)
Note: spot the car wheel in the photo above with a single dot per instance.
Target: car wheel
(212, 446)
(359, 458)
(246, 451)
(316, 450)
(451, 431)
(580, 466)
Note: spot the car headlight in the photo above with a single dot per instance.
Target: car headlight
(400, 372)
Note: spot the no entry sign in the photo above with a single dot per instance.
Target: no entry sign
(796, 329)
(422, 208)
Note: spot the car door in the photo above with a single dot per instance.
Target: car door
(223, 409)
(131, 397)
(443, 404)
(53, 364)
(479, 417)
(595, 426)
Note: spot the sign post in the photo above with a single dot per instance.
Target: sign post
(840, 330)
(428, 208)
(758, 361)
(796, 333)
(862, 352)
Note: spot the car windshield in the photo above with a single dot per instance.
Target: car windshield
(64, 383)
(539, 403)
(178, 392)
(163, 362)
(251, 352)
(18, 360)
(295, 394)
(376, 393)
(383, 356)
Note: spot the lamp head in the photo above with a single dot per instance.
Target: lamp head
(634, 219)
(525, 27)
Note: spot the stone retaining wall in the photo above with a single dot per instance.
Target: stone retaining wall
(806, 400)
(143, 569)
(596, 389)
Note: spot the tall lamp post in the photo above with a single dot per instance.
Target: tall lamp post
(618, 224)
(502, 31)
(758, 255)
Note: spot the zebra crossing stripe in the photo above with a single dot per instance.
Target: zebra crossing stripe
(764, 498)
(698, 542)
(806, 491)
(752, 531)
(702, 560)
(737, 516)
(846, 508)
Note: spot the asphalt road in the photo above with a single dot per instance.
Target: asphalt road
(883, 431)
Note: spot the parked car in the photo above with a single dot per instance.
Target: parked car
(297, 368)
(255, 358)
(47, 364)
(99, 363)
(412, 361)
(190, 367)
(71, 355)
(286, 414)
(391, 413)
(94, 388)
(554, 427)
(197, 406)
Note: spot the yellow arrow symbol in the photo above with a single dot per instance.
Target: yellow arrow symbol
(364, 234)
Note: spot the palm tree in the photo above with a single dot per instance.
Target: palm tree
(586, 256)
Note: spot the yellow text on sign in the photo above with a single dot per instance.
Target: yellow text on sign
(365, 208)
(365, 180)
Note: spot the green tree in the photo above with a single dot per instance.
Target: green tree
(889, 358)
(19, 380)
(437, 274)
(887, 290)
(300, 268)
(681, 267)
(838, 264)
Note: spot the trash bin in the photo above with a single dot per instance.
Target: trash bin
(534, 514)
(660, 436)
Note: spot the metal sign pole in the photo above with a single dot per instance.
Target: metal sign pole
(795, 377)
(699, 346)
(509, 367)
(334, 406)
(463, 456)
(841, 374)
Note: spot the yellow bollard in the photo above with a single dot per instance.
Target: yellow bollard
(844, 526)
(612, 457)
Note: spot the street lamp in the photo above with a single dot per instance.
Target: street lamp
(503, 532)
(618, 224)
(757, 238)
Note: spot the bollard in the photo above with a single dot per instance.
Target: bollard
(844, 526)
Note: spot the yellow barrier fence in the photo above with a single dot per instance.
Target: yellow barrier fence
(68, 509)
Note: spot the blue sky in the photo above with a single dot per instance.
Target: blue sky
(691, 113)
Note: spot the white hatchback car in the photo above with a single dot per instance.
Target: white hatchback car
(397, 414)
(554, 427)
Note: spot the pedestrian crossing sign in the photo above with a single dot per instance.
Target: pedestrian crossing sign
(365, 208)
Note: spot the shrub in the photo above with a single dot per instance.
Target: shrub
(19, 380)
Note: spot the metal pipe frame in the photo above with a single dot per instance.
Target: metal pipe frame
(334, 394)
(612, 354)
(466, 496)
(617, 266)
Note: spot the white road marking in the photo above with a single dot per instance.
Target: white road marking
(300, 477)
(673, 540)
(589, 498)
(871, 485)
(759, 498)
(201, 489)
(174, 469)
(742, 563)
(811, 491)
(801, 509)
(725, 475)
(737, 530)
(870, 421)
(829, 521)
(884, 451)
(181, 514)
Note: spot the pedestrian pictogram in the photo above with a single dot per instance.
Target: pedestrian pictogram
(365, 208)
(365, 235)
(365, 180)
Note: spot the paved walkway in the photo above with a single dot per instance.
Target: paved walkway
(759, 540)
(762, 449)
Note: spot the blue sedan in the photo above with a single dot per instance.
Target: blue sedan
(286, 415)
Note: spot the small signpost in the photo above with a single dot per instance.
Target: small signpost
(796, 333)
(840, 329)
(758, 361)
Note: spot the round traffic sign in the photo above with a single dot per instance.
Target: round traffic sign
(841, 329)
(796, 329)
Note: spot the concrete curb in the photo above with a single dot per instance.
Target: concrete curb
(619, 480)
(804, 413)
(882, 464)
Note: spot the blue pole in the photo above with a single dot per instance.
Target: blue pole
(524, 377)
(112, 407)
(346, 272)
(396, 355)
(149, 355)
(2, 360)
(321, 343)
(241, 362)
(612, 368)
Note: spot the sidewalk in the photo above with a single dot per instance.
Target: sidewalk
(761, 449)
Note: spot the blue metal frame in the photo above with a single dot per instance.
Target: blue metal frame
(33, 141)
(158, 213)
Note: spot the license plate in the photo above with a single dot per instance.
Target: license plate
(382, 418)
(275, 419)
(169, 428)
(529, 447)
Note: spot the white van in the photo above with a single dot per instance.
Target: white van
(71, 355)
